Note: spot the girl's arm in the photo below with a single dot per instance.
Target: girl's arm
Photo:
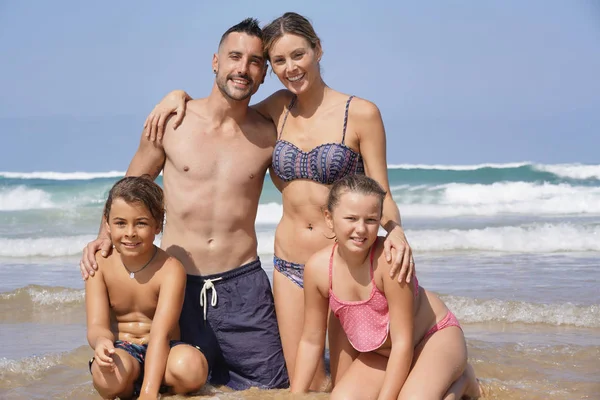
(166, 317)
(400, 298)
(371, 135)
(312, 342)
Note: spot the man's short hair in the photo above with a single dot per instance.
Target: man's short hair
(248, 26)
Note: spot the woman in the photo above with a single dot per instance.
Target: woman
(323, 135)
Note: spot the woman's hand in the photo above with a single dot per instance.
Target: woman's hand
(401, 257)
(172, 103)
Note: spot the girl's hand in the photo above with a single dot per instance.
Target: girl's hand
(401, 258)
(172, 103)
(103, 354)
(146, 396)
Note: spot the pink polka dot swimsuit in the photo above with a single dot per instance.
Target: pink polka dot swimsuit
(366, 322)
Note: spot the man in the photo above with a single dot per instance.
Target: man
(214, 166)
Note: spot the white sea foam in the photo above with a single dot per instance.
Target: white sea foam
(467, 309)
(533, 238)
(23, 198)
(62, 176)
(475, 310)
(456, 199)
(473, 167)
(573, 171)
(44, 296)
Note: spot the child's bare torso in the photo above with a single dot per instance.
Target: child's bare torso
(133, 301)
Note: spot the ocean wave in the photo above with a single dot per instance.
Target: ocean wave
(470, 310)
(450, 167)
(459, 199)
(518, 198)
(467, 310)
(532, 238)
(22, 198)
(62, 176)
(29, 367)
(48, 246)
(42, 296)
(573, 171)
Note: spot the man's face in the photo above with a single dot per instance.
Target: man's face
(240, 65)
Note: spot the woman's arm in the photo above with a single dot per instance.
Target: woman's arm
(173, 103)
(166, 317)
(312, 342)
(372, 141)
(400, 297)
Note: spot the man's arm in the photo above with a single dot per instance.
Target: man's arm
(166, 318)
(149, 159)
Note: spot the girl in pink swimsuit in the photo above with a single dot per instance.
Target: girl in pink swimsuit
(403, 342)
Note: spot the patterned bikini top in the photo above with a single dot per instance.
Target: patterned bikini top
(325, 163)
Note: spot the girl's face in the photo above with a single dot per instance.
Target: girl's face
(295, 62)
(355, 220)
(132, 228)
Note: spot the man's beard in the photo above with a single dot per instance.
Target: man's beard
(237, 95)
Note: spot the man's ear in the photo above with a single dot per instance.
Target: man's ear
(215, 63)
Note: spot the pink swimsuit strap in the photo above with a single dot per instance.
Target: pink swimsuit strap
(331, 266)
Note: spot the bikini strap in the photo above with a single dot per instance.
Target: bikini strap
(331, 267)
(346, 118)
(286, 115)
(372, 256)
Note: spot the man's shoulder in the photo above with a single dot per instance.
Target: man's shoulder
(263, 126)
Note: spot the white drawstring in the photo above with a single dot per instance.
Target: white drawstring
(208, 284)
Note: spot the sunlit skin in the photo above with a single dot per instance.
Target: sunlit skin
(316, 118)
(296, 63)
(356, 221)
(400, 365)
(143, 310)
(239, 66)
(132, 229)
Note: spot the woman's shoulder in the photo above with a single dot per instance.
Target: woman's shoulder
(363, 109)
(274, 105)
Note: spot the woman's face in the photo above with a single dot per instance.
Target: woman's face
(295, 62)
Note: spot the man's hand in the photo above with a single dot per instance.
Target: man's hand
(398, 252)
(172, 103)
(88, 264)
(103, 354)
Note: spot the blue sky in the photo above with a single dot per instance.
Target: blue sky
(457, 82)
